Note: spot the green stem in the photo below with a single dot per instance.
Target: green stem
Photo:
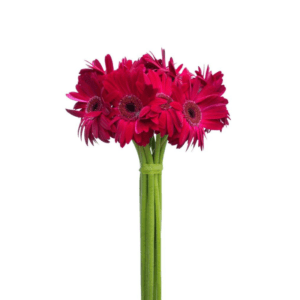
(157, 149)
(143, 231)
(150, 214)
(148, 154)
(157, 238)
(143, 203)
(157, 222)
(150, 231)
(152, 144)
(164, 142)
(163, 148)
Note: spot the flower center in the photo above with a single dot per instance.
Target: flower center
(94, 104)
(166, 105)
(130, 107)
(192, 113)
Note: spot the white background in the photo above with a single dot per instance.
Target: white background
(69, 214)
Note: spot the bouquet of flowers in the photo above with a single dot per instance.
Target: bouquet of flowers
(151, 103)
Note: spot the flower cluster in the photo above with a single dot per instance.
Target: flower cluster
(148, 96)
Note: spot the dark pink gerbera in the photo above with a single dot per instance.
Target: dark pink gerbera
(95, 113)
(125, 64)
(214, 80)
(203, 109)
(159, 65)
(130, 97)
(97, 67)
(152, 63)
(165, 111)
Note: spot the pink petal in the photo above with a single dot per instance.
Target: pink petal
(76, 113)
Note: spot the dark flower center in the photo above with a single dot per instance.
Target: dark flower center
(130, 107)
(192, 113)
(166, 105)
(94, 104)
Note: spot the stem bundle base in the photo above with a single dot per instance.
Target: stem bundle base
(151, 158)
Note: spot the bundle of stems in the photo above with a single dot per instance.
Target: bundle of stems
(151, 158)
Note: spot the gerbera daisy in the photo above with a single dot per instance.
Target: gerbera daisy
(159, 65)
(215, 80)
(125, 64)
(94, 111)
(130, 97)
(96, 66)
(203, 108)
(165, 111)
(152, 63)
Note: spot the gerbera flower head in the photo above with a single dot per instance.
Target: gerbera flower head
(165, 111)
(97, 67)
(203, 109)
(91, 108)
(130, 96)
(152, 63)
(214, 80)
(125, 64)
(161, 67)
